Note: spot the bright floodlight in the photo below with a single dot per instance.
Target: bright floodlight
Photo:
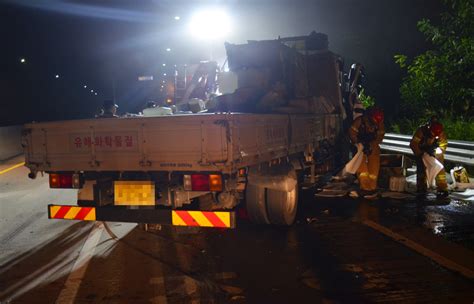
(57, 76)
(177, 17)
(22, 60)
(168, 49)
(210, 24)
(85, 86)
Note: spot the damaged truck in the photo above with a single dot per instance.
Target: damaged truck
(252, 150)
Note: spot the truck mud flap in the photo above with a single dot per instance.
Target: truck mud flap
(216, 219)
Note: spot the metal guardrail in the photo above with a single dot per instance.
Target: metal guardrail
(459, 152)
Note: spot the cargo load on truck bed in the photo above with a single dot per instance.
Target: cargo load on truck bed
(287, 75)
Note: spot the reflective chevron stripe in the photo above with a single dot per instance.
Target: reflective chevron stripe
(201, 218)
(217, 219)
(72, 213)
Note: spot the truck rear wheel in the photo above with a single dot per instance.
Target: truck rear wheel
(256, 204)
(270, 206)
(282, 206)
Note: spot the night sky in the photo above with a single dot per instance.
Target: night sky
(108, 44)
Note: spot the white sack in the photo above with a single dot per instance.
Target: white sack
(353, 165)
(432, 166)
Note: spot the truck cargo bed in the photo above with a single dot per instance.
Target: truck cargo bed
(197, 142)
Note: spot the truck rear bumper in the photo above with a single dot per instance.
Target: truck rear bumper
(217, 219)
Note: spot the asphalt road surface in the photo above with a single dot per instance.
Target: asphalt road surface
(339, 251)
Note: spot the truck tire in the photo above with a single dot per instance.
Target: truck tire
(282, 206)
(256, 204)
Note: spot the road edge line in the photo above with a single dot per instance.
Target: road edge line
(443, 261)
(12, 167)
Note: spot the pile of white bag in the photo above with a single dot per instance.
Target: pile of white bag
(353, 165)
(433, 167)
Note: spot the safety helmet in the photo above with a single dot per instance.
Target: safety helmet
(109, 103)
(376, 115)
(436, 128)
(151, 104)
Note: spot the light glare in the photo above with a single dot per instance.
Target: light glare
(210, 24)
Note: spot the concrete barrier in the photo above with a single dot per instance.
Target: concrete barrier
(10, 142)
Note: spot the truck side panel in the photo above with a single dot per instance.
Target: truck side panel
(209, 142)
(136, 144)
(260, 138)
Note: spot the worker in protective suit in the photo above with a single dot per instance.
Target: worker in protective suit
(431, 139)
(368, 130)
(109, 109)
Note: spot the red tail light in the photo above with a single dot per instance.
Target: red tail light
(202, 182)
(65, 181)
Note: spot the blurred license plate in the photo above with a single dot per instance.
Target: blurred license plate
(134, 193)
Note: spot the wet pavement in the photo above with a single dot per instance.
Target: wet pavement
(333, 254)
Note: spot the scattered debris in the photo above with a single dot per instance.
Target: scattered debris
(226, 275)
(397, 195)
(309, 279)
(312, 283)
(371, 196)
(339, 186)
(459, 175)
(231, 289)
(353, 194)
(331, 193)
(352, 268)
(398, 187)
(467, 195)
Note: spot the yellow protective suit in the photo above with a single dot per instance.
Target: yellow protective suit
(368, 172)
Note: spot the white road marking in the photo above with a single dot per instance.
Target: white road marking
(443, 261)
(73, 282)
(46, 273)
